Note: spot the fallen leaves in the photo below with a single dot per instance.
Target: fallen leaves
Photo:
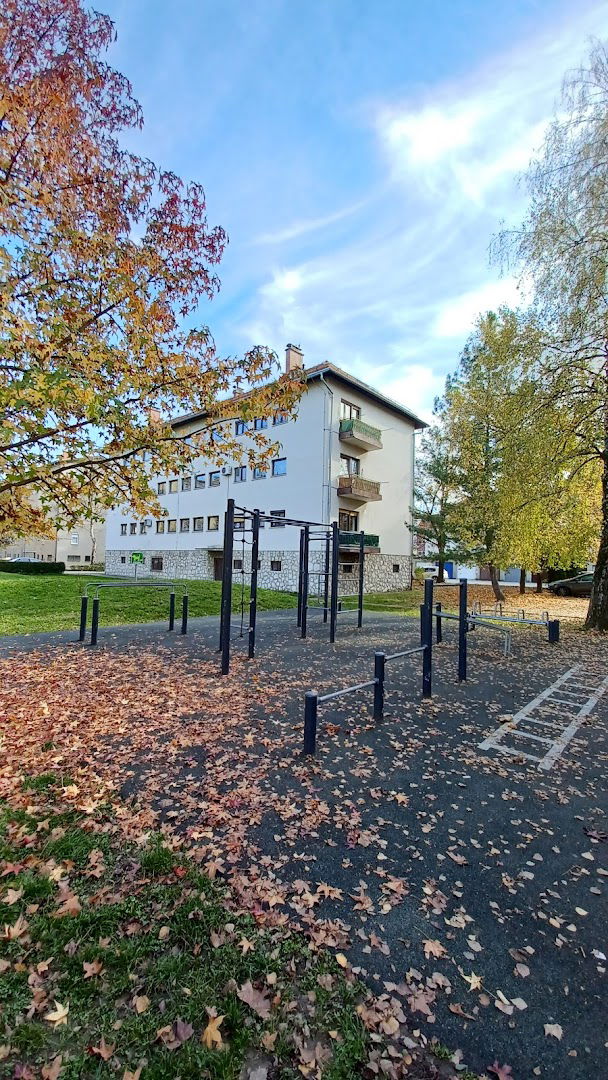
(58, 1015)
(141, 1003)
(433, 948)
(255, 999)
(104, 1050)
(176, 1034)
(554, 1030)
(212, 1036)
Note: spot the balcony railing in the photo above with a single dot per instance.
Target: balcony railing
(352, 539)
(356, 487)
(360, 434)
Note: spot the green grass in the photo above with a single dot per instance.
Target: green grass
(400, 602)
(155, 933)
(35, 604)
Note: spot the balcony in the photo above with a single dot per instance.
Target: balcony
(359, 490)
(349, 541)
(363, 436)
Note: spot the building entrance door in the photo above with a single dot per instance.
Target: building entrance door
(218, 567)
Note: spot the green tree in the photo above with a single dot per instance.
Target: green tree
(562, 248)
(435, 495)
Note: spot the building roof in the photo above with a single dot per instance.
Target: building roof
(341, 376)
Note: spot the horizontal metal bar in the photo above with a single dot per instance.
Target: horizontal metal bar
(408, 652)
(133, 585)
(348, 690)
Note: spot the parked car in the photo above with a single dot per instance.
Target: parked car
(23, 558)
(580, 585)
(433, 572)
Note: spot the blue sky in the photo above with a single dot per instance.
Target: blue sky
(360, 155)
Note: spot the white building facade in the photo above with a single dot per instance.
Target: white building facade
(348, 456)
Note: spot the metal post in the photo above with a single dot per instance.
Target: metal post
(253, 598)
(335, 554)
(422, 624)
(427, 656)
(379, 666)
(438, 626)
(171, 610)
(462, 630)
(95, 621)
(227, 585)
(184, 628)
(361, 576)
(305, 558)
(553, 630)
(311, 701)
(326, 579)
(300, 572)
(84, 603)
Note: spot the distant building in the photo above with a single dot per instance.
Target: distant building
(348, 456)
(72, 546)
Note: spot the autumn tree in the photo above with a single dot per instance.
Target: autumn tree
(105, 259)
(562, 248)
(435, 495)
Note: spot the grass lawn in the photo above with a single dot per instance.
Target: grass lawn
(37, 603)
(117, 959)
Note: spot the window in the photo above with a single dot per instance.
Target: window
(123, 529)
(172, 525)
(123, 558)
(275, 564)
(142, 528)
(133, 528)
(87, 558)
(279, 466)
(161, 487)
(240, 427)
(348, 522)
(349, 466)
(184, 524)
(186, 483)
(199, 481)
(239, 524)
(172, 487)
(156, 562)
(74, 539)
(258, 472)
(277, 524)
(237, 564)
(214, 479)
(280, 418)
(160, 526)
(348, 411)
(259, 564)
(73, 558)
(347, 568)
(396, 568)
(198, 524)
(260, 423)
(213, 523)
(240, 474)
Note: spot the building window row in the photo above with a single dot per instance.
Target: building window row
(170, 525)
(260, 423)
(164, 487)
(239, 521)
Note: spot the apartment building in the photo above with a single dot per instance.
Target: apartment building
(77, 547)
(348, 455)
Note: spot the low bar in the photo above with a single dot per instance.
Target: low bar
(311, 699)
(184, 626)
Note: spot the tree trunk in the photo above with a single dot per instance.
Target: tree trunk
(539, 581)
(496, 589)
(522, 580)
(93, 541)
(597, 615)
(440, 571)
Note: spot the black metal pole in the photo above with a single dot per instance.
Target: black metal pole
(253, 598)
(553, 630)
(335, 555)
(462, 630)
(184, 628)
(95, 621)
(227, 585)
(84, 603)
(305, 578)
(438, 626)
(361, 576)
(300, 572)
(326, 579)
(311, 701)
(171, 610)
(422, 624)
(427, 656)
(379, 666)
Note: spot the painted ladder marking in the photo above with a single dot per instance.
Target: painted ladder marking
(568, 713)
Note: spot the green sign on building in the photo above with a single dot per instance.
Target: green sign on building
(137, 557)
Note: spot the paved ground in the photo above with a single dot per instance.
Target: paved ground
(469, 885)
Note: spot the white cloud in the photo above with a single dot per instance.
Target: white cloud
(457, 315)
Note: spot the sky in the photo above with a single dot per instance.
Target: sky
(360, 155)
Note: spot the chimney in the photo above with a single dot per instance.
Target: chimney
(294, 358)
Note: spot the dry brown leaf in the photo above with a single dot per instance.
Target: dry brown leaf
(212, 1036)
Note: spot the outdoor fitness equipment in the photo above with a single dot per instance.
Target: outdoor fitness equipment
(97, 585)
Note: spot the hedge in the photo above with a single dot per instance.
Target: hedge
(7, 567)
